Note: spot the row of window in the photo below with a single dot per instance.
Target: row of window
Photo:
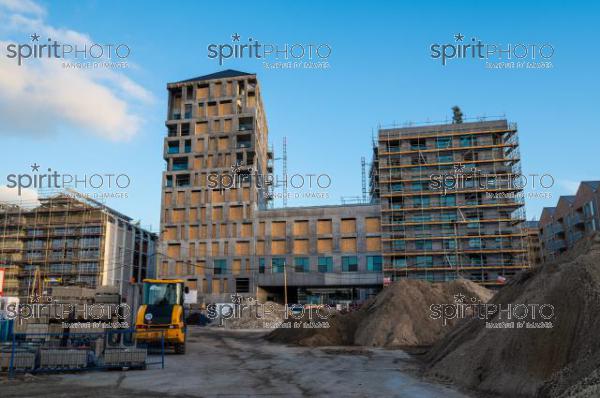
(302, 264)
(440, 143)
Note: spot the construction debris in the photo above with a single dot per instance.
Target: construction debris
(556, 360)
(399, 316)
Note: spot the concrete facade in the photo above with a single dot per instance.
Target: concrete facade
(222, 238)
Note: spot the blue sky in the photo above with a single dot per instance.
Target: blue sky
(381, 72)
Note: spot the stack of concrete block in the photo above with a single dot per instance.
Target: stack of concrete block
(63, 359)
(125, 356)
(23, 360)
(36, 331)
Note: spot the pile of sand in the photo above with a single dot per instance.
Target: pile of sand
(398, 316)
(549, 362)
(256, 316)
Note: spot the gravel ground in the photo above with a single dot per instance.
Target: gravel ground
(240, 363)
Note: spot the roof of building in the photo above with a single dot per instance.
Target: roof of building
(531, 224)
(593, 184)
(224, 74)
(568, 198)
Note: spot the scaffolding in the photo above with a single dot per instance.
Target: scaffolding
(468, 231)
(56, 239)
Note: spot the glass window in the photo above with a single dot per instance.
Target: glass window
(261, 265)
(219, 266)
(173, 147)
(424, 261)
(325, 264)
(444, 142)
(445, 159)
(398, 245)
(423, 244)
(421, 201)
(399, 262)
(301, 264)
(349, 264)
(448, 200)
(278, 264)
(374, 263)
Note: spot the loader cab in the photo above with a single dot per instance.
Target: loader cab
(163, 293)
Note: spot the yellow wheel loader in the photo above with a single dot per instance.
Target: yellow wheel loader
(161, 313)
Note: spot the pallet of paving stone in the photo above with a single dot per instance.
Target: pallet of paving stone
(23, 360)
(63, 358)
(132, 357)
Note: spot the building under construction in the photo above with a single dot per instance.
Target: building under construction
(449, 203)
(218, 230)
(68, 239)
(221, 235)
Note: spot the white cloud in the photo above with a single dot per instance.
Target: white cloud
(27, 199)
(41, 97)
(23, 6)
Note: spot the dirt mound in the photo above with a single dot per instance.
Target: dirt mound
(399, 315)
(256, 316)
(540, 361)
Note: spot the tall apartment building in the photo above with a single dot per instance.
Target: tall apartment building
(469, 226)
(224, 239)
(574, 217)
(68, 240)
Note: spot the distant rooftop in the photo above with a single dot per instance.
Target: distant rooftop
(593, 184)
(224, 74)
(478, 123)
(531, 224)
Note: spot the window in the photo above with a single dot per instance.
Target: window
(467, 140)
(374, 263)
(399, 262)
(444, 142)
(169, 182)
(242, 285)
(349, 264)
(424, 261)
(475, 242)
(301, 264)
(261, 265)
(182, 180)
(173, 147)
(423, 244)
(445, 158)
(188, 111)
(448, 200)
(325, 264)
(416, 144)
(398, 245)
(180, 164)
(278, 264)
(219, 266)
(421, 201)
(187, 146)
(396, 187)
(449, 244)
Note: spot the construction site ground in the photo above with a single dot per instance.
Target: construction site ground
(240, 363)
